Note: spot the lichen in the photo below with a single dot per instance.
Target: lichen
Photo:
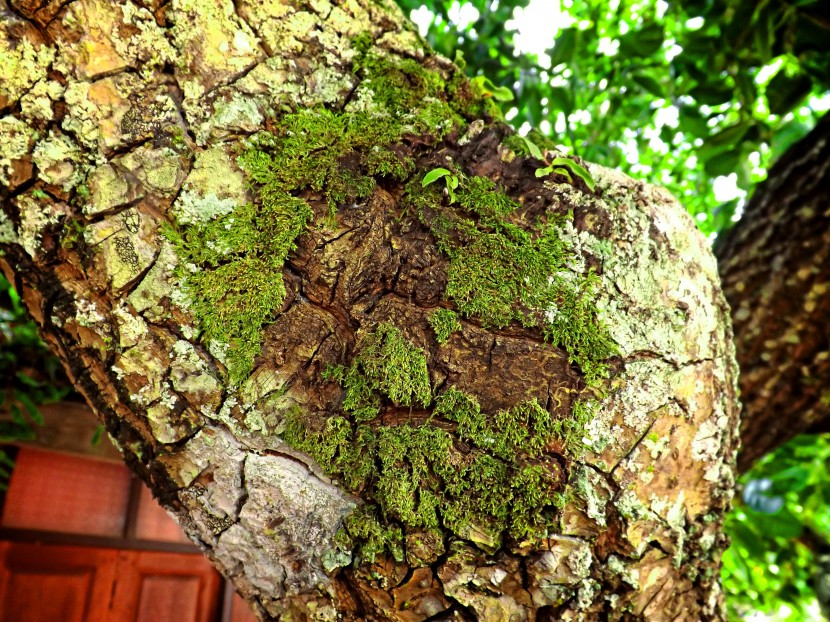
(16, 139)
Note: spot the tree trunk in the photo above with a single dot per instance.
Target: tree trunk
(377, 360)
(775, 266)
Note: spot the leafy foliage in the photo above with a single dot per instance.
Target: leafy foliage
(28, 373)
(675, 93)
(778, 530)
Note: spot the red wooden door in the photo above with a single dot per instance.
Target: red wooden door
(52, 583)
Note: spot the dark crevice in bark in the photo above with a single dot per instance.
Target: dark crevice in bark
(636, 444)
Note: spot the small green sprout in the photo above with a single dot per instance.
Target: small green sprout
(566, 166)
(449, 178)
(486, 88)
(39, 194)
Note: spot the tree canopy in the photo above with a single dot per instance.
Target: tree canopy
(700, 97)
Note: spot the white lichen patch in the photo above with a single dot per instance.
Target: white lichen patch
(567, 562)
(59, 161)
(16, 141)
(35, 216)
(24, 60)
(278, 486)
(191, 208)
(627, 574)
(149, 295)
(131, 327)
(125, 245)
(213, 188)
(87, 313)
(36, 104)
(236, 115)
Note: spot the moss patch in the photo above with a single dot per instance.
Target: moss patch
(500, 272)
(444, 322)
(232, 264)
(386, 363)
(479, 476)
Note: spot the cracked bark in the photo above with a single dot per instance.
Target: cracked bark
(775, 266)
(640, 536)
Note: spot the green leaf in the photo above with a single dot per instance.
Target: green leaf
(642, 43)
(712, 93)
(561, 99)
(31, 407)
(577, 170)
(565, 47)
(487, 89)
(785, 92)
(436, 173)
(786, 136)
(723, 163)
(730, 135)
(533, 149)
(649, 84)
(96, 436)
(17, 415)
(27, 380)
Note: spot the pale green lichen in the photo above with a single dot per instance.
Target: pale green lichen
(16, 140)
(130, 327)
(59, 160)
(22, 64)
(108, 189)
(7, 233)
(36, 104)
(35, 216)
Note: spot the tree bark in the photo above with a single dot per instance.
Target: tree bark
(775, 267)
(495, 396)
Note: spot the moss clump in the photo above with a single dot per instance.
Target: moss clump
(444, 322)
(387, 363)
(232, 263)
(414, 477)
(500, 272)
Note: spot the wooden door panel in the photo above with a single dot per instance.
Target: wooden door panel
(165, 587)
(168, 598)
(44, 583)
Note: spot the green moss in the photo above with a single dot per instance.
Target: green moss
(444, 322)
(501, 273)
(416, 479)
(385, 363)
(232, 264)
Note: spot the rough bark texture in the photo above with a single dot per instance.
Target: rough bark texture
(490, 441)
(775, 266)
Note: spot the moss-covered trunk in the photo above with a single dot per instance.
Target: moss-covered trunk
(775, 266)
(379, 360)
